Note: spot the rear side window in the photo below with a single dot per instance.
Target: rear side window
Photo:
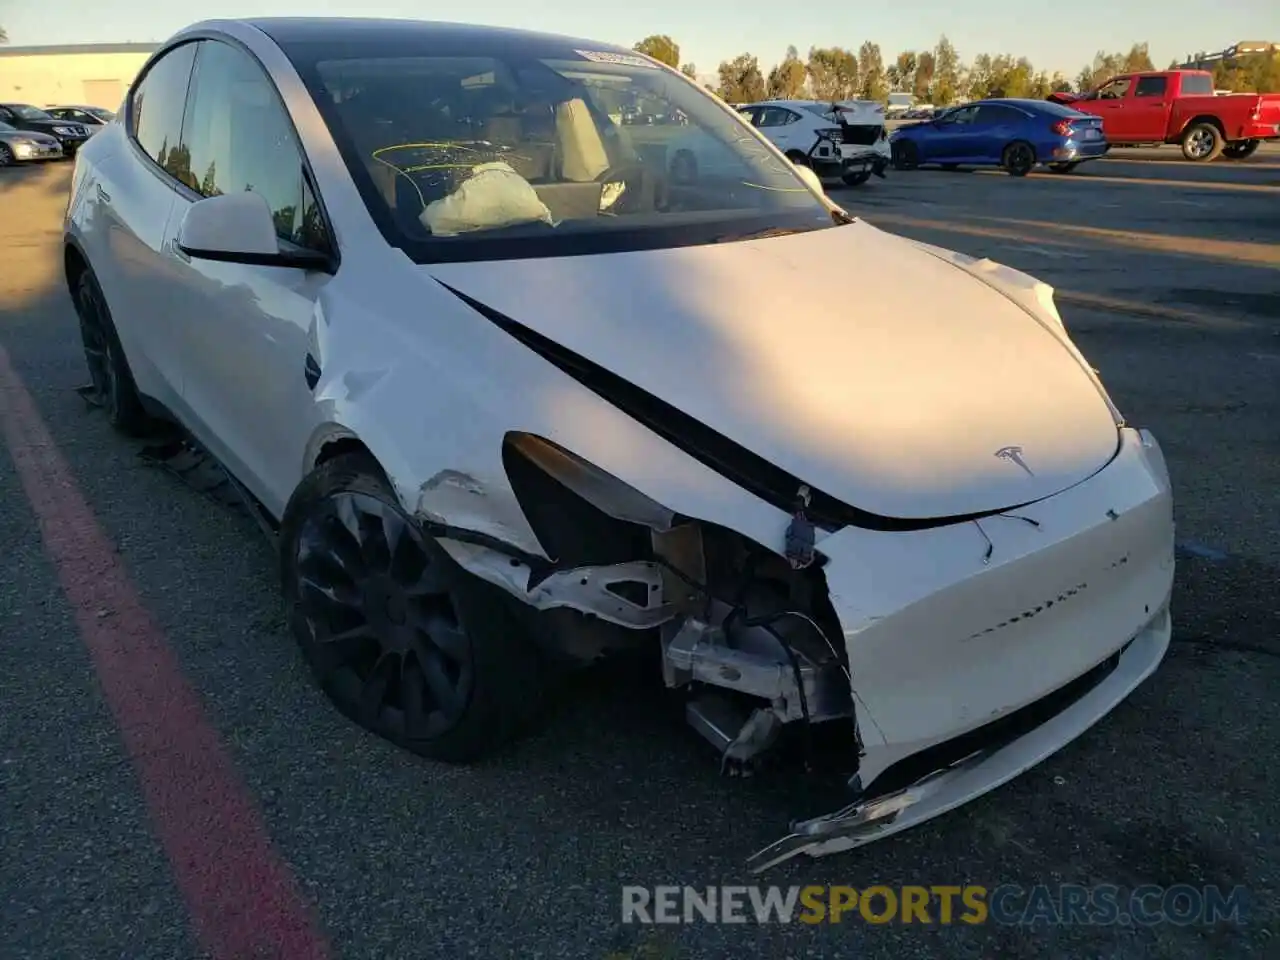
(238, 137)
(1197, 84)
(158, 101)
(1151, 86)
(989, 115)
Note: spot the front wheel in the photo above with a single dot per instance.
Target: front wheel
(1202, 142)
(6, 156)
(1241, 149)
(1063, 167)
(905, 155)
(1018, 159)
(402, 640)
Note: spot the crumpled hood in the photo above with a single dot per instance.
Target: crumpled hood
(870, 369)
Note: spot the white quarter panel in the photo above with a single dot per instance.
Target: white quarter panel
(120, 221)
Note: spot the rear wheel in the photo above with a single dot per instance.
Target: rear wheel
(1240, 149)
(906, 155)
(856, 179)
(1018, 158)
(1202, 142)
(1063, 167)
(109, 373)
(402, 640)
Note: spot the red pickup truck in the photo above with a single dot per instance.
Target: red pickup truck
(1179, 106)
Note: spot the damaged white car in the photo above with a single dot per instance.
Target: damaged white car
(510, 398)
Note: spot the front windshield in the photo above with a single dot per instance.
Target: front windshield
(106, 116)
(524, 151)
(29, 113)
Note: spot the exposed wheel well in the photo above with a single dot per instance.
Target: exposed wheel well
(1211, 120)
(340, 446)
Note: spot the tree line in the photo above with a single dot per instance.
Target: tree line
(936, 75)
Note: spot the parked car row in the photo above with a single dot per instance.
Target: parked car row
(29, 133)
(846, 139)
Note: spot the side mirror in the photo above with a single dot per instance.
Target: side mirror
(810, 178)
(238, 228)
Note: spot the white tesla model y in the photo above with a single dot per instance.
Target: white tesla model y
(509, 398)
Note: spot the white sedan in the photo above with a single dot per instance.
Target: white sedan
(511, 400)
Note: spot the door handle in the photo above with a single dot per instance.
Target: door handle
(102, 194)
(311, 371)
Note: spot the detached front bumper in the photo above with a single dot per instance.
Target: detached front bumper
(977, 650)
(986, 767)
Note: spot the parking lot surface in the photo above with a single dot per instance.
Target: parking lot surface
(141, 624)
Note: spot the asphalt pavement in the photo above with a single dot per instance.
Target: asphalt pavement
(141, 624)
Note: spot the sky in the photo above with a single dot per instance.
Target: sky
(1054, 36)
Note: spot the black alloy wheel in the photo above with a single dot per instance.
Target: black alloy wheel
(906, 155)
(1019, 158)
(401, 639)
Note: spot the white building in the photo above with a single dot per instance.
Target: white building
(93, 74)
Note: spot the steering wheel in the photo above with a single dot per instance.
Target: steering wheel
(640, 190)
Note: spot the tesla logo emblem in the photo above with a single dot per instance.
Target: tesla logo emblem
(1014, 455)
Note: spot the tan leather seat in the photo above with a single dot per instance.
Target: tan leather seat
(582, 153)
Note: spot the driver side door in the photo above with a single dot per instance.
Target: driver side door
(1111, 104)
(244, 330)
(949, 134)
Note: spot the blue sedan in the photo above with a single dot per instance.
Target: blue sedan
(1013, 134)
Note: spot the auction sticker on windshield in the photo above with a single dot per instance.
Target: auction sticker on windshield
(626, 59)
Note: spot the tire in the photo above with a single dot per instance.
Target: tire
(799, 159)
(855, 179)
(1063, 167)
(1239, 150)
(402, 640)
(109, 372)
(7, 158)
(905, 155)
(1018, 159)
(1202, 142)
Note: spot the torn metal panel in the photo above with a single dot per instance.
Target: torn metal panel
(458, 499)
(590, 590)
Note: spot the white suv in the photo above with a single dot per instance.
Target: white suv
(836, 139)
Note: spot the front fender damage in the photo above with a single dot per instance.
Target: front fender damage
(748, 638)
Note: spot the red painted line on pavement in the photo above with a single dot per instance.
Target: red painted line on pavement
(243, 899)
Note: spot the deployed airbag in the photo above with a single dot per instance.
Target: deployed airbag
(494, 196)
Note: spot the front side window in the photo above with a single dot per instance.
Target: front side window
(156, 112)
(1115, 89)
(237, 137)
(466, 149)
(960, 115)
